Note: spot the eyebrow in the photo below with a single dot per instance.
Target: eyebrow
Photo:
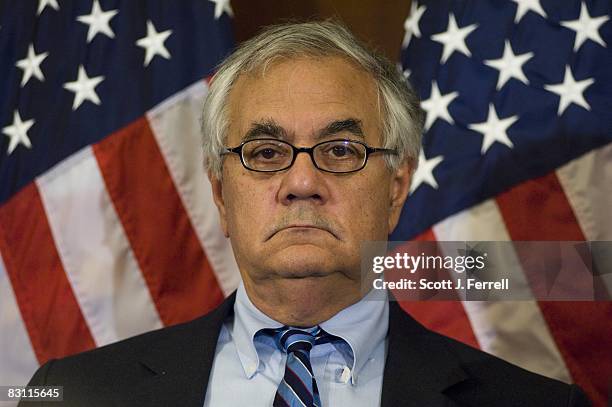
(270, 128)
(266, 128)
(349, 125)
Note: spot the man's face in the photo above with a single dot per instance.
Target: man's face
(296, 233)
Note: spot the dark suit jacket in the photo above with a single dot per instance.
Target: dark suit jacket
(171, 367)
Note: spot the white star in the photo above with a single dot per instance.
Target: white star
(523, 6)
(31, 66)
(437, 106)
(18, 132)
(453, 38)
(153, 43)
(222, 6)
(404, 72)
(586, 27)
(494, 129)
(411, 25)
(510, 66)
(98, 21)
(424, 172)
(84, 88)
(570, 91)
(42, 4)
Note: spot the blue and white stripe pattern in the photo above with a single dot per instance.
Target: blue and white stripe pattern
(298, 387)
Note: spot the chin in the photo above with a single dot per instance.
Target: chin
(313, 279)
(299, 269)
(305, 285)
(312, 300)
(303, 261)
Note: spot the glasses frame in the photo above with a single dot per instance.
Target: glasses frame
(310, 151)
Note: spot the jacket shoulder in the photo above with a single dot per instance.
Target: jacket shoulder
(467, 375)
(491, 378)
(124, 365)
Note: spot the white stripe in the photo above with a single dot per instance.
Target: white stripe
(513, 330)
(587, 183)
(294, 393)
(17, 359)
(94, 250)
(302, 363)
(300, 340)
(175, 124)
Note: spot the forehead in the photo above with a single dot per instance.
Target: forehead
(304, 95)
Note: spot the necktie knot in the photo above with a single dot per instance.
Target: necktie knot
(291, 340)
(298, 387)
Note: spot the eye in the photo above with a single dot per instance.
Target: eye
(340, 150)
(268, 152)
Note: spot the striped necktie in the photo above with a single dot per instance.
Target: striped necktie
(298, 387)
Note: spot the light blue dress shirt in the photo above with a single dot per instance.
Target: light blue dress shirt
(248, 368)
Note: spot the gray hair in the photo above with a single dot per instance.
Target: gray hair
(402, 120)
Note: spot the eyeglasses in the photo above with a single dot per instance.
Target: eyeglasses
(337, 156)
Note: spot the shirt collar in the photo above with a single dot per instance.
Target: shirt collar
(362, 325)
(248, 320)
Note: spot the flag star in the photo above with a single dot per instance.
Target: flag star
(98, 21)
(424, 172)
(153, 43)
(404, 72)
(42, 4)
(411, 25)
(494, 130)
(586, 27)
(84, 88)
(570, 91)
(437, 106)
(18, 132)
(453, 38)
(510, 66)
(31, 65)
(523, 6)
(222, 6)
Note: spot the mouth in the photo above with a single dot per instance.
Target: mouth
(301, 228)
(296, 275)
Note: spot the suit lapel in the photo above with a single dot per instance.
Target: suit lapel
(419, 368)
(180, 363)
(417, 371)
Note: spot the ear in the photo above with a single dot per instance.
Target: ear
(217, 192)
(400, 186)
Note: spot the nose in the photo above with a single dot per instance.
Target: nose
(303, 182)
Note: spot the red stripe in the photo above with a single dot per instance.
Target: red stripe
(170, 256)
(539, 210)
(446, 317)
(288, 369)
(47, 304)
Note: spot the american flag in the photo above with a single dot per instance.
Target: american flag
(518, 146)
(107, 226)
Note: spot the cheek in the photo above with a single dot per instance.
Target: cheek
(235, 196)
(368, 214)
(249, 200)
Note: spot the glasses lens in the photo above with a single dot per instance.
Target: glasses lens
(266, 155)
(340, 156)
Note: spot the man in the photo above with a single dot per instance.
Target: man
(310, 142)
